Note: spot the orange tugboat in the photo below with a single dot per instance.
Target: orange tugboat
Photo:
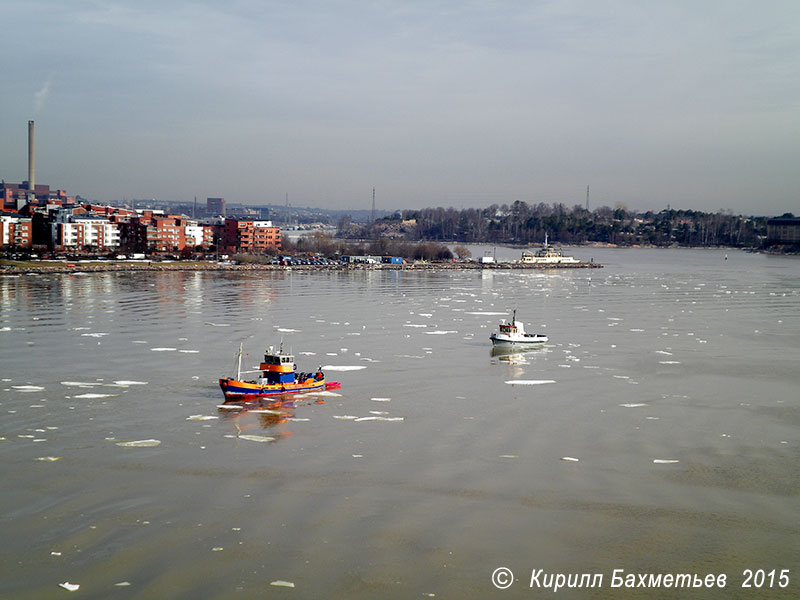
(278, 376)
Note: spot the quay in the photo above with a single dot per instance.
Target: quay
(10, 267)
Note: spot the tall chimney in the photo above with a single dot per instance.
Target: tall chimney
(31, 182)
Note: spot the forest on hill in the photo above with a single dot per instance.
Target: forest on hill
(520, 223)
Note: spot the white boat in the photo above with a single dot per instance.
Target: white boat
(547, 254)
(512, 333)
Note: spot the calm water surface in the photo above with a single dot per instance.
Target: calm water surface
(671, 375)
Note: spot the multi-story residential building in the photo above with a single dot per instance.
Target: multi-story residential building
(15, 231)
(82, 231)
(199, 235)
(166, 234)
(783, 230)
(247, 235)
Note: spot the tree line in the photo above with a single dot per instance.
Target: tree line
(521, 223)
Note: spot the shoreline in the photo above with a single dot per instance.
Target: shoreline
(12, 268)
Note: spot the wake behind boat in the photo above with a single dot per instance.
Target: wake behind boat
(512, 333)
(278, 376)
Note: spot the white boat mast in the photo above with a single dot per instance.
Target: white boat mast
(239, 363)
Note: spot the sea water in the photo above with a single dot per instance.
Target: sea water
(655, 433)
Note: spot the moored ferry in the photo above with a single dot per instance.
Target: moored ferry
(547, 254)
(278, 376)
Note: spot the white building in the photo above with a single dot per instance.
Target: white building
(80, 231)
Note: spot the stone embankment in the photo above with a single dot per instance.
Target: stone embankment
(12, 268)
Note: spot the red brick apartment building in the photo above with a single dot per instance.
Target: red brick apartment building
(247, 235)
(15, 231)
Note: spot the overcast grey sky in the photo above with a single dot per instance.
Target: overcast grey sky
(466, 103)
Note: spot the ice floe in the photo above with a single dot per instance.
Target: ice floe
(381, 399)
(79, 383)
(633, 405)
(139, 444)
(92, 396)
(281, 583)
(255, 438)
(27, 388)
(570, 459)
(70, 587)
(529, 381)
(48, 458)
(163, 349)
(201, 417)
(124, 382)
(665, 461)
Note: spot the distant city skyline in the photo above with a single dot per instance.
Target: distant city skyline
(436, 103)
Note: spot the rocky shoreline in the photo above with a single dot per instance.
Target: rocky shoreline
(10, 268)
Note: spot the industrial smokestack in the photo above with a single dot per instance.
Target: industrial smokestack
(31, 177)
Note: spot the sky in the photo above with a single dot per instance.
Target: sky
(693, 104)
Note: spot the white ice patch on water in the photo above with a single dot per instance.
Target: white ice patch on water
(570, 459)
(663, 352)
(201, 418)
(163, 349)
(27, 388)
(229, 407)
(439, 332)
(381, 399)
(324, 393)
(530, 381)
(488, 314)
(70, 587)
(669, 362)
(139, 444)
(190, 351)
(413, 325)
(124, 382)
(83, 384)
(287, 330)
(343, 367)
(94, 335)
(92, 396)
(255, 438)
(665, 461)
(218, 324)
(633, 405)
